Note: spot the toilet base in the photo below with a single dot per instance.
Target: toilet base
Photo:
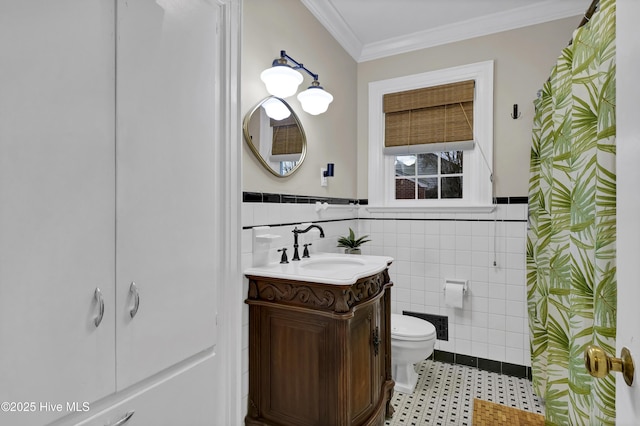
(405, 377)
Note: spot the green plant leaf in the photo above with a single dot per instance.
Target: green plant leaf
(351, 241)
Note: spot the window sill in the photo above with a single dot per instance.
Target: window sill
(432, 209)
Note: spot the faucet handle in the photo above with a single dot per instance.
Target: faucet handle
(284, 259)
(305, 253)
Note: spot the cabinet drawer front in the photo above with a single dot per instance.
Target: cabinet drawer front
(184, 398)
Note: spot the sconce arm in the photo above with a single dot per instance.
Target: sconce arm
(298, 66)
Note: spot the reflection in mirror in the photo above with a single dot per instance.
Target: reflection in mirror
(274, 133)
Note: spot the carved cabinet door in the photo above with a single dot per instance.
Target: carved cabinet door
(298, 368)
(365, 344)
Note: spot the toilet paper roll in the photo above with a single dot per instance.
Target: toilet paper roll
(453, 295)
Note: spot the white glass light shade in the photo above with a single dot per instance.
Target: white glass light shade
(275, 109)
(281, 80)
(407, 160)
(315, 100)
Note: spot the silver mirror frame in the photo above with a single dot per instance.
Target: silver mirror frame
(256, 153)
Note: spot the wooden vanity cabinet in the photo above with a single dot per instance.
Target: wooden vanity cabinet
(319, 354)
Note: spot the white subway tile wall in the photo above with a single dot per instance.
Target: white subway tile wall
(427, 248)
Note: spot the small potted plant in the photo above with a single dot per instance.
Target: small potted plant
(351, 244)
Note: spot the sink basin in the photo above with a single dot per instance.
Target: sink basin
(332, 263)
(326, 268)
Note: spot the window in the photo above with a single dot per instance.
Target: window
(429, 176)
(427, 149)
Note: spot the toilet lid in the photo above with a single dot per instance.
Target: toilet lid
(405, 327)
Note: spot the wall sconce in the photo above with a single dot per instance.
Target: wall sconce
(325, 173)
(282, 81)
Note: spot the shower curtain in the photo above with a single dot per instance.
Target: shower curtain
(571, 245)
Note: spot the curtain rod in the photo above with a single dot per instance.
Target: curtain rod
(589, 13)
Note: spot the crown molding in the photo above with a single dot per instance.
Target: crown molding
(334, 23)
(538, 13)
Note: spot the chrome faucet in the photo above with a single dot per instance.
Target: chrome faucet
(297, 231)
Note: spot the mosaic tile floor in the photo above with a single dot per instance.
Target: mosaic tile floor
(444, 395)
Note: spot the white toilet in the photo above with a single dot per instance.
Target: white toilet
(412, 340)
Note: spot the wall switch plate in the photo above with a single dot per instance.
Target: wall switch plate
(323, 178)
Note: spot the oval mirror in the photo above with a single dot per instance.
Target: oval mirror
(274, 133)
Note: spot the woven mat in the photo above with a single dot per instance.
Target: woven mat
(487, 413)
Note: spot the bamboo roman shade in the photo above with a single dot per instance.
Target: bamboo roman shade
(287, 137)
(429, 119)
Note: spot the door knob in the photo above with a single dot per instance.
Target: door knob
(599, 364)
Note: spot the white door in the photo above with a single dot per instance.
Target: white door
(167, 93)
(57, 205)
(628, 205)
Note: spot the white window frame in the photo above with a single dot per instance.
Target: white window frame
(477, 168)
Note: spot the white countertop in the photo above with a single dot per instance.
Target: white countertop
(325, 268)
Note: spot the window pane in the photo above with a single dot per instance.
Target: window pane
(405, 165)
(452, 187)
(287, 166)
(427, 164)
(427, 188)
(405, 189)
(451, 162)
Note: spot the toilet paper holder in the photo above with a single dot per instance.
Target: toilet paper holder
(464, 283)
